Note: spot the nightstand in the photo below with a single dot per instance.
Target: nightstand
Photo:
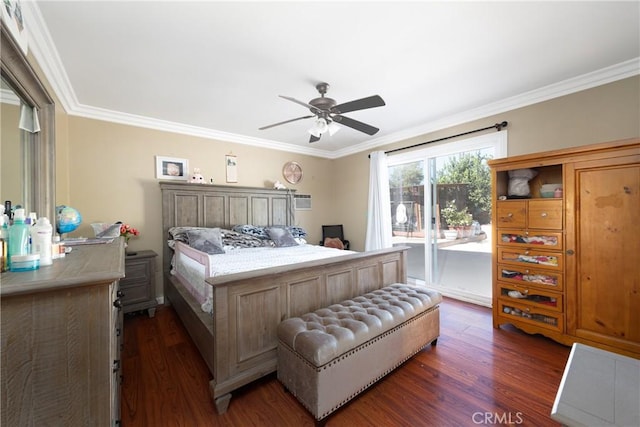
(139, 283)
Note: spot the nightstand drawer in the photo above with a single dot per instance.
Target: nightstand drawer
(136, 293)
(135, 273)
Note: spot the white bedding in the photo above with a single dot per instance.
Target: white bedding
(239, 260)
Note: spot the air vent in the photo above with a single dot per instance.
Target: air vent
(302, 202)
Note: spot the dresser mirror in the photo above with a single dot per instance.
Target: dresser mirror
(27, 172)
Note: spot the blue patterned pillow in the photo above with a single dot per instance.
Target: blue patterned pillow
(252, 230)
(297, 231)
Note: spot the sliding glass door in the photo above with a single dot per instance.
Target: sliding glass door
(441, 210)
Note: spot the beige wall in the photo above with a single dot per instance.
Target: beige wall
(107, 170)
(111, 175)
(600, 114)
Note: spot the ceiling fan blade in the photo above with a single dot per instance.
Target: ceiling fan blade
(359, 104)
(314, 139)
(355, 124)
(282, 123)
(313, 109)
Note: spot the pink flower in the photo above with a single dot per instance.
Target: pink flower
(128, 231)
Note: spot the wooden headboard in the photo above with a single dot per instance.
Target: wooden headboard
(203, 205)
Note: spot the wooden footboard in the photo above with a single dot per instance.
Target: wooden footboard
(239, 343)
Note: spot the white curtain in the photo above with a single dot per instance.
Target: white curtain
(379, 213)
(29, 119)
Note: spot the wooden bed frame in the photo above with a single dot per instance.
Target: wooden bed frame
(239, 341)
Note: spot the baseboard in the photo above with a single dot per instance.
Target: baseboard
(456, 294)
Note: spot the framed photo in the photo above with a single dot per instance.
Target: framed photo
(172, 168)
(231, 163)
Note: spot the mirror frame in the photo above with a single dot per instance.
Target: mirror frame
(19, 74)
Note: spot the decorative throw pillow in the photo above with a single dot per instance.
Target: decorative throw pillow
(333, 242)
(206, 240)
(180, 233)
(237, 240)
(297, 231)
(252, 230)
(281, 237)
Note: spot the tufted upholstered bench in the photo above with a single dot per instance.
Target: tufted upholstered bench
(328, 357)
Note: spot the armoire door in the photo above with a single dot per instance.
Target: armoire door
(603, 251)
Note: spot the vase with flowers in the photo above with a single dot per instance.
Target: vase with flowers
(128, 232)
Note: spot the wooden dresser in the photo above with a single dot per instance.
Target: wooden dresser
(568, 267)
(61, 340)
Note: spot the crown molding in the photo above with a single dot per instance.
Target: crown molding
(46, 55)
(180, 128)
(600, 77)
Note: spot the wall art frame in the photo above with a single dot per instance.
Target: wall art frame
(231, 164)
(172, 168)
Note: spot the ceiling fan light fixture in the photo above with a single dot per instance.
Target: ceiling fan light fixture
(319, 127)
(333, 128)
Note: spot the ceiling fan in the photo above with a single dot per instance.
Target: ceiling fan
(328, 113)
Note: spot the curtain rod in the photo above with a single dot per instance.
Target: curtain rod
(498, 127)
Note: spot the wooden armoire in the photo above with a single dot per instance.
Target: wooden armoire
(567, 265)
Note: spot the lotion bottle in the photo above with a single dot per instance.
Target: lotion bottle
(18, 235)
(41, 240)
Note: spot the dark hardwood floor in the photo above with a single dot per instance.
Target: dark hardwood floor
(475, 375)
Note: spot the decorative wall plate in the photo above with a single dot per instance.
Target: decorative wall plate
(292, 172)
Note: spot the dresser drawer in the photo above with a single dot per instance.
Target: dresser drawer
(531, 277)
(545, 214)
(531, 315)
(542, 239)
(512, 213)
(530, 296)
(530, 257)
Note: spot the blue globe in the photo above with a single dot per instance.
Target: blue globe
(67, 219)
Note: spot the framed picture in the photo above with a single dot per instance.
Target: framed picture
(172, 168)
(231, 163)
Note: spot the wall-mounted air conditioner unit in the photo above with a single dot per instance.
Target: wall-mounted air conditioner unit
(302, 202)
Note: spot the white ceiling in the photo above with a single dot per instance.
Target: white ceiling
(216, 69)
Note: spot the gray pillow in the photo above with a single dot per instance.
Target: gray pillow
(281, 237)
(207, 240)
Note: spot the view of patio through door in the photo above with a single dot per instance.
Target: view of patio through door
(441, 210)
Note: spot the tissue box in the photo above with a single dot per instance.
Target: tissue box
(110, 229)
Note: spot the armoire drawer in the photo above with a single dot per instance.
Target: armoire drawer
(546, 214)
(530, 257)
(538, 213)
(512, 213)
(531, 296)
(531, 277)
(531, 315)
(537, 238)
